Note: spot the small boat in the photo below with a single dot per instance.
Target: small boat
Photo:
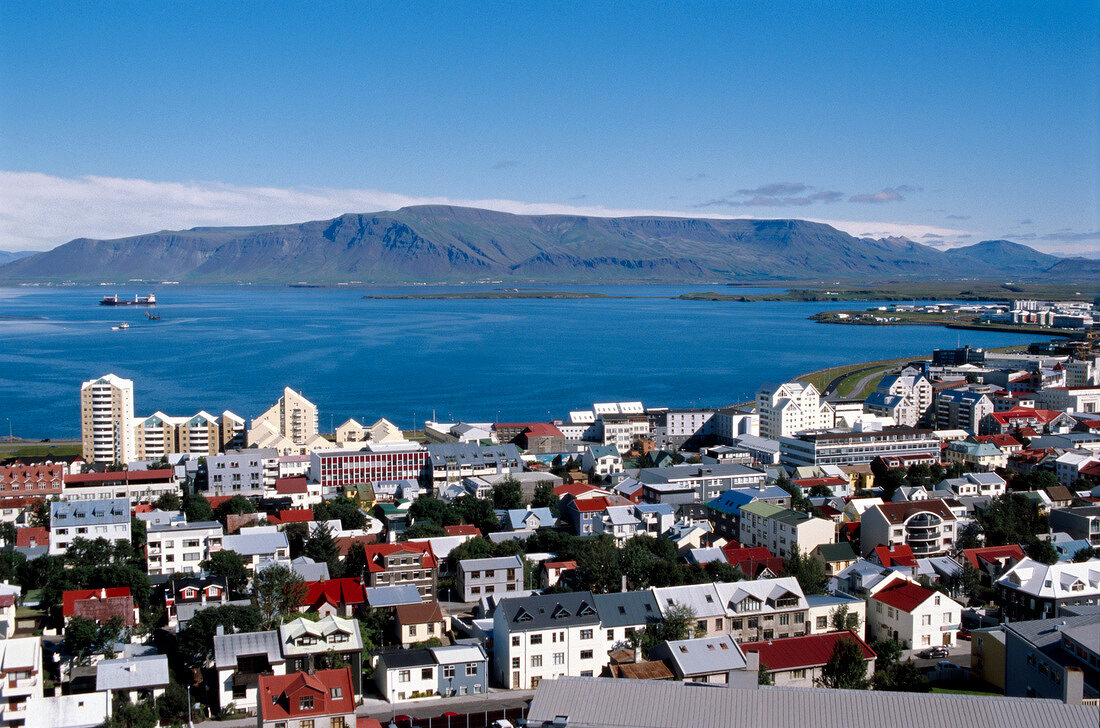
(150, 300)
(152, 316)
(121, 327)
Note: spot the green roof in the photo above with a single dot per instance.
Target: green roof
(762, 509)
(831, 552)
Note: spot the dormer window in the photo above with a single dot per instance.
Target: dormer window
(305, 702)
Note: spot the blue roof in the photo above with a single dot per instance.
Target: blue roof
(392, 596)
(603, 451)
(1067, 549)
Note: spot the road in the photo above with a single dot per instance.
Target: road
(959, 655)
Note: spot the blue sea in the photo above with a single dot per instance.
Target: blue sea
(235, 348)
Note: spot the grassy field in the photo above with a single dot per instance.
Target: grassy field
(911, 291)
(38, 449)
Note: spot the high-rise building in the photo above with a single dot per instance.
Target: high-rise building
(107, 419)
(787, 409)
(290, 425)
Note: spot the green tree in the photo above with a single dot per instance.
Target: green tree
(598, 567)
(84, 637)
(137, 534)
(809, 571)
(278, 591)
(1084, 554)
(1042, 551)
(423, 530)
(478, 512)
(904, 677)
(355, 562)
(172, 706)
(843, 619)
(890, 481)
(169, 502)
(322, 548)
(196, 640)
(229, 565)
(427, 509)
(125, 714)
(508, 494)
(544, 497)
(196, 508)
(799, 502)
(345, 509)
(296, 534)
(763, 677)
(821, 491)
(39, 514)
(846, 668)
(678, 623)
(1011, 518)
(722, 571)
(7, 533)
(887, 652)
(237, 505)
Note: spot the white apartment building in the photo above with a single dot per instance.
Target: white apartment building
(914, 390)
(927, 526)
(1069, 399)
(242, 472)
(257, 544)
(180, 547)
(787, 409)
(106, 419)
(21, 665)
(731, 423)
(499, 577)
(915, 616)
(1082, 372)
(783, 530)
(92, 519)
(289, 426)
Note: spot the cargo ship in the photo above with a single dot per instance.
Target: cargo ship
(150, 300)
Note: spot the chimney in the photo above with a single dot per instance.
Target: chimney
(219, 630)
(1073, 686)
(624, 584)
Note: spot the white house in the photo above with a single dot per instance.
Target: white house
(601, 460)
(913, 615)
(259, 543)
(546, 636)
(89, 519)
(181, 547)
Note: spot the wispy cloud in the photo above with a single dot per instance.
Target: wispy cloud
(886, 194)
(39, 211)
(506, 164)
(1027, 221)
(777, 194)
(937, 236)
(696, 177)
(776, 189)
(579, 197)
(957, 217)
(1071, 237)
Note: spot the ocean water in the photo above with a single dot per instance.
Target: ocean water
(407, 360)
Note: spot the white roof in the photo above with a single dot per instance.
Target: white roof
(457, 653)
(86, 710)
(1056, 581)
(761, 589)
(582, 417)
(702, 598)
(132, 673)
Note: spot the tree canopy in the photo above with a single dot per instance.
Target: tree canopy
(846, 668)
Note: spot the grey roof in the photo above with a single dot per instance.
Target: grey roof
(542, 611)
(470, 454)
(406, 658)
(627, 609)
(132, 673)
(90, 512)
(603, 451)
(254, 544)
(392, 596)
(691, 472)
(185, 612)
(703, 656)
(589, 702)
(309, 569)
(227, 647)
(321, 630)
(703, 599)
(499, 562)
(514, 517)
(182, 526)
(501, 536)
(1043, 633)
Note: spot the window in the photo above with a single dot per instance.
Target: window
(610, 635)
(427, 673)
(305, 702)
(448, 671)
(536, 639)
(337, 722)
(559, 658)
(404, 676)
(822, 622)
(947, 617)
(586, 634)
(305, 724)
(515, 663)
(701, 625)
(337, 693)
(586, 654)
(536, 660)
(515, 641)
(412, 630)
(926, 620)
(471, 669)
(798, 674)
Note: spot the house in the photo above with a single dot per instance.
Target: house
(240, 658)
(527, 519)
(755, 562)
(584, 513)
(544, 636)
(259, 543)
(899, 558)
(1033, 590)
(1053, 658)
(601, 460)
(99, 605)
(552, 572)
(989, 484)
(298, 489)
(181, 547)
(433, 672)
(412, 563)
(835, 556)
(782, 530)
(388, 597)
(928, 527)
(839, 487)
(136, 678)
(913, 615)
(23, 678)
(420, 622)
(88, 519)
(309, 646)
(992, 561)
(958, 409)
(1017, 418)
(334, 597)
(450, 462)
(654, 518)
(622, 614)
(799, 661)
(987, 655)
(825, 610)
(323, 698)
(620, 522)
(541, 437)
(688, 483)
(975, 455)
(481, 577)
(186, 594)
(786, 409)
(724, 512)
(762, 609)
(711, 660)
(84, 710)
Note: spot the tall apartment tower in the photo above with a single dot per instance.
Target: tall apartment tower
(293, 416)
(107, 419)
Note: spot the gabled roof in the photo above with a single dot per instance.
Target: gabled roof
(898, 513)
(336, 592)
(391, 596)
(73, 602)
(291, 485)
(903, 595)
(625, 609)
(704, 656)
(1019, 413)
(832, 552)
(278, 694)
(423, 613)
(546, 611)
(132, 673)
(795, 653)
(228, 647)
(376, 554)
(462, 529)
(900, 555)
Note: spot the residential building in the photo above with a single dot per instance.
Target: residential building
(334, 597)
(1041, 420)
(434, 672)
(601, 460)
(450, 462)
(306, 700)
(500, 576)
(420, 622)
(258, 544)
(352, 432)
(184, 595)
(1080, 523)
(987, 655)
(140, 486)
(540, 437)
(798, 662)
(83, 710)
(782, 530)
(240, 658)
(958, 409)
(928, 527)
(584, 513)
(1033, 590)
(913, 615)
(289, 426)
(100, 605)
(403, 563)
(713, 660)
(545, 636)
(831, 447)
(309, 645)
(1055, 658)
(836, 557)
(89, 520)
(761, 609)
(250, 472)
(724, 512)
(39, 481)
(825, 610)
(619, 522)
(143, 677)
(992, 561)
(732, 425)
(623, 427)
(762, 450)
(106, 420)
(787, 409)
(973, 484)
(975, 455)
(1068, 466)
(21, 665)
(695, 483)
(622, 614)
(1069, 399)
(687, 429)
(181, 547)
(914, 389)
(527, 519)
(337, 469)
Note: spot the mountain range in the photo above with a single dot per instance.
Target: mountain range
(450, 244)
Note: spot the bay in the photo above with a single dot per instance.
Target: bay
(235, 348)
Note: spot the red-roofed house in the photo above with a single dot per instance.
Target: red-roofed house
(553, 571)
(1005, 443)
(31, 537)
(324, 698)
(992, 561)
(294, 515)
(462, 529)
(339, 597)
(579, 490)
(299, 490)
(1017, 418)
(99, 605)
(541, 437)
(755, 562)
(900, 556)
(584, 513)
(403, 563)
(25, 480)
(797, 661)
(420, 622)
(839, 487)
(913, 615)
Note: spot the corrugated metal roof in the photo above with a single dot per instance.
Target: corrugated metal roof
(611, 703)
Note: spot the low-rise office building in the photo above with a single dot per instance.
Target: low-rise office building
(834, 447)
(502, 576)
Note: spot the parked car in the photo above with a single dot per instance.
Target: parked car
(931, 652)
(964, 634)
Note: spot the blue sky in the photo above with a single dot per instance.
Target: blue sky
(948, 122)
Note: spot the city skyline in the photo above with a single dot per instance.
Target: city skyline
(947, 125)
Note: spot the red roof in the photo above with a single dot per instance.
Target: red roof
(7, 600)
(1025, 413)
(793, 653)
(1002, 441)
(344, 543)
(901, 555)
(100, 605)
(590, 505)
(293, 515)
(1090, 469)
(280, 695)
(287, 486)
(542, 429)
(336, 592)
(70, 598)
(576, 490)
(903, 595)
(808, 483)
(423, 613)
(752, 560)
(216, 500)
(563, 565)
(376, 552)
(993, 553)
(121, 476)
(27, 537)
(462, 529)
